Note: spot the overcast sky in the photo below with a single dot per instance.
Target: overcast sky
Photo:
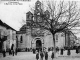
(13, 14)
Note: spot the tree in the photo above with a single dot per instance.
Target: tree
(56, 17)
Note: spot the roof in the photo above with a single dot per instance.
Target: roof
(6, 25)
(1, 23)
(29, 13)
(23, 28)
(38, 2)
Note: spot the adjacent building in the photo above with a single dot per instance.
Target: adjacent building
(10, 36)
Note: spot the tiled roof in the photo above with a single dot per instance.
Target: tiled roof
(6, 25)
(1, 23)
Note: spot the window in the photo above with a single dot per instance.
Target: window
(28, 16)
(56, 37)
(28, 24)
(62, 35)
(21, 39)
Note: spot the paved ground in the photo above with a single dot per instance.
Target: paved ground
(31, 56)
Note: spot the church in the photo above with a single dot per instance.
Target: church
(35, 37)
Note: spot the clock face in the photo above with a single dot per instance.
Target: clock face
(39, 19)
(47, 14)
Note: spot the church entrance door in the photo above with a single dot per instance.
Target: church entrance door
(38, 45)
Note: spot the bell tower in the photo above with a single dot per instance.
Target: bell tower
(38, 12)
(29, 18)
(37, 7)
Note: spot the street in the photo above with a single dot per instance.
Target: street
(31, 56)
(20, 56)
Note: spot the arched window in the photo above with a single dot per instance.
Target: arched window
(21, 39)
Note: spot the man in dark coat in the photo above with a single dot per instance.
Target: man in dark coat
(33, 51)
(3, 38)
(62, 51)
(37, 55)
(4, 53)
(52, 55)
(68, 52)
(26, 49)
(16, 51)
(46, 55)
(77, 49)
(42, 55)
(12, 49)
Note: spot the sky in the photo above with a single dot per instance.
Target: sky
(14, 14)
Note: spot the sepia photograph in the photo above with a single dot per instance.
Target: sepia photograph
(39, 30)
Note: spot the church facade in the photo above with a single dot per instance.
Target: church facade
(35, 37)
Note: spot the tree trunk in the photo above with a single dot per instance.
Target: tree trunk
(54, 45)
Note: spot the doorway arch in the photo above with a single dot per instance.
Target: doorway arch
(38, 45)
(36, 40)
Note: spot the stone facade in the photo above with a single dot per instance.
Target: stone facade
(61, 40)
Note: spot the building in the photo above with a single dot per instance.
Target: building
(33, 37)
(9, 33)
(2, 33)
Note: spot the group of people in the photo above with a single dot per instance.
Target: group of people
(43, 54)
(13, 50)
(3, 49)
(50, 48)
(28, 49)
(69, 50)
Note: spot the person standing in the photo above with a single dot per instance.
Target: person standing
(33, 51)
(46, 55)
(52, 55)
(42, 55)
(37, 55)
(12, 49)
(4, 53)
(3, 43)
(16, 51)
(68, 52)
(61, 51)
(9, 51)
(4, 49)
(77, 49)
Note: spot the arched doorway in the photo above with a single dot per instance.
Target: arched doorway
(38, 45)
